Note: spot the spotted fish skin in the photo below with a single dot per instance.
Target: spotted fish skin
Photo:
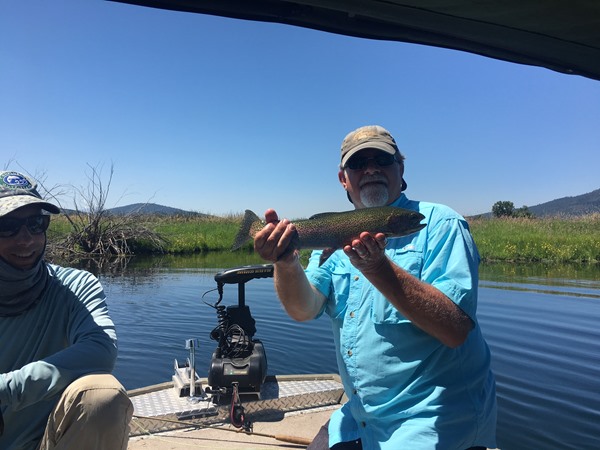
(336, 229)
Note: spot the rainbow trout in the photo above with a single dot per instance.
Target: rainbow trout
(336, 229)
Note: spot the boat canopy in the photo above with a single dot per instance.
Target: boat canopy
(561, 35)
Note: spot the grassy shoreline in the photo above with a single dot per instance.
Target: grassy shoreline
(557, 239)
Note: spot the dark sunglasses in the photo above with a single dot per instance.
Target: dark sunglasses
(361, 162)
(10, 226)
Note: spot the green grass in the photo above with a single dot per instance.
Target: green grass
(197, 235)
(560, 239)
(182, 234)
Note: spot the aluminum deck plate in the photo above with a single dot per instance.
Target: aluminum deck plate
(159, 408)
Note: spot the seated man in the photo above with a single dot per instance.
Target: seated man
(58, 342)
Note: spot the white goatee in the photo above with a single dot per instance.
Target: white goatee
(374, 194)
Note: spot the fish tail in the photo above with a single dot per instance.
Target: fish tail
(244, 234)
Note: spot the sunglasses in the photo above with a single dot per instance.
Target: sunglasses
(10, 226)
(361, 162)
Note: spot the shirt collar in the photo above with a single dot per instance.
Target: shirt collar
(400, 202)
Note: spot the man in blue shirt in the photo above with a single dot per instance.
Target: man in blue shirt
(58, 343)
(410, 352)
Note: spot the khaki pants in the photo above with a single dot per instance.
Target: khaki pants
(93, 413)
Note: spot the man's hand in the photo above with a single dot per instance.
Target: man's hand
(275, 243)
(272, 243)
(367, 253)
(424, 305)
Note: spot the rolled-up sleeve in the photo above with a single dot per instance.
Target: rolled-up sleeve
(450, 262)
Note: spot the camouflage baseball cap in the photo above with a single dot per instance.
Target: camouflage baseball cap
(370, 136)
(17, 190)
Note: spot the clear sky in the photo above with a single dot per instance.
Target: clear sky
(220, 115)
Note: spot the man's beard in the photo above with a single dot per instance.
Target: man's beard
(374, 194)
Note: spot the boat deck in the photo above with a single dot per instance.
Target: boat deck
(288, 412)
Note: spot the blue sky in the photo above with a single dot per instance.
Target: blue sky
(220, 115)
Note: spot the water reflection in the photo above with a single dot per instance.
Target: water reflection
(124, 266)
(551, 274)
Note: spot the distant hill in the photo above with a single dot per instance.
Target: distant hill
(152, 208)
(569, 206)
(578, 205)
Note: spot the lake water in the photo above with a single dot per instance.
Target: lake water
(542, 324)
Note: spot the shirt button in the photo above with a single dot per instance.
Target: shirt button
(355, 392)
(356, 278)
(349, 352)
(363, 424)
(352, 314)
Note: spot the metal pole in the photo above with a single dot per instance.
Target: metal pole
(191, 345)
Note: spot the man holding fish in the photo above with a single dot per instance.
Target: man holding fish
(410, 352)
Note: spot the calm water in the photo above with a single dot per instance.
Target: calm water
(544, 334)
(542, 324)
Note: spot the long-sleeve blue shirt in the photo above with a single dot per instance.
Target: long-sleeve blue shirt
(405, 388)
(66, 335)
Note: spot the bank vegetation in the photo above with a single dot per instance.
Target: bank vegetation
(551, 239)
(519, 239)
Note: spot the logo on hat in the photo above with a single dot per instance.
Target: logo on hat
(15, 180)
(365, 133)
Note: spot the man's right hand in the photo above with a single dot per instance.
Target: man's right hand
(272, 243)
(275, 243)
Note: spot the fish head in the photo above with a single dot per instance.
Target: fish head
(404, 222)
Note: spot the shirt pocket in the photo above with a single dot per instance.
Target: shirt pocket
(340, 279)
(409, 259)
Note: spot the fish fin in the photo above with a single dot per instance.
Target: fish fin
(321, 215)
(327, 252)
(244, 233)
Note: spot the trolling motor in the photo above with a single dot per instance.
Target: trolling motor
(239, 363)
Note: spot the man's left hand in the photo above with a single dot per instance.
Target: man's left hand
(367, 253)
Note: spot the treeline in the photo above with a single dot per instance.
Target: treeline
(507, 209)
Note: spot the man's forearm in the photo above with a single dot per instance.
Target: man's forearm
(424, 305)
(299, 298)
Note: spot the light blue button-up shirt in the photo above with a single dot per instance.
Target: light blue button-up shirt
(406, 389)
